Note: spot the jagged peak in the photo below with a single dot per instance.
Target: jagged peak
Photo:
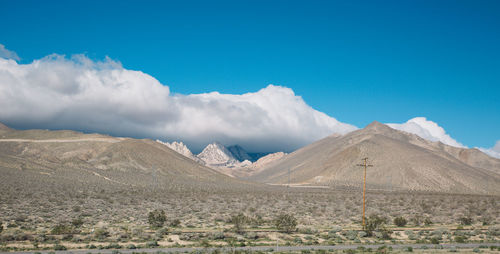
(216, 153)
(179, 147)
(215, 144)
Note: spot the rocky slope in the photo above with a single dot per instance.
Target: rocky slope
(182, 149)
(216, 154)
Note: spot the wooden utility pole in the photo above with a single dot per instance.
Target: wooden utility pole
(365, 165)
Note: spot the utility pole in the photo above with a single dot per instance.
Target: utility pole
(365, 165)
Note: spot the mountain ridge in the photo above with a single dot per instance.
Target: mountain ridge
(232, 161)
(402, 161)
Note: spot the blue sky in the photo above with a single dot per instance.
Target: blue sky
(357, 61)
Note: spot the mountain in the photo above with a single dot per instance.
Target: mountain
(182, 149)
(227, 160)
(45, 162)
(216, 154)
(402, 161)
(233, 161)
(239, 153)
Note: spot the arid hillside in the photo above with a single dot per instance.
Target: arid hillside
(41, 161)
(402, 161)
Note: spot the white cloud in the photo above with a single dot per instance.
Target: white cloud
(432, 131)
(493, 152)
(7, 54)
(426, 129)
(77, 93)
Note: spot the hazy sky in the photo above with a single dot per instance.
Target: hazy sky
(355, 61)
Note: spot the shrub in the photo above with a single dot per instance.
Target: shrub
(350, 234)
(101, 233)
(78, 222)
(113, 246)
(205, 243)
(494, 230)
(62, 229)
(336, 229)
(386, 233)
(157, 218)
(76, 209)
(374, 222)
(1, 226)
(400, 221)
(308, 231)
(465, 220)
(162, 232)
(152, 244)
(459, 239)
(175, 223)
(435, 240)
(59, 247)
(239, 222)
(427, 221)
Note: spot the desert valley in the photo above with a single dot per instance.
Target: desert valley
(70, 190)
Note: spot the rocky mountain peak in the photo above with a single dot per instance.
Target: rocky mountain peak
(239, 153)
(217, 154)
(180, 148)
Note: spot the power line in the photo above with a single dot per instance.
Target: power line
(365, 165)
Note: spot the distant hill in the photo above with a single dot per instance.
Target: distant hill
(41, 161)
(402, 161)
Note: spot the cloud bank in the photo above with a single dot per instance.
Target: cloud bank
(57, 92)
(426, 129)
(430, 130)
